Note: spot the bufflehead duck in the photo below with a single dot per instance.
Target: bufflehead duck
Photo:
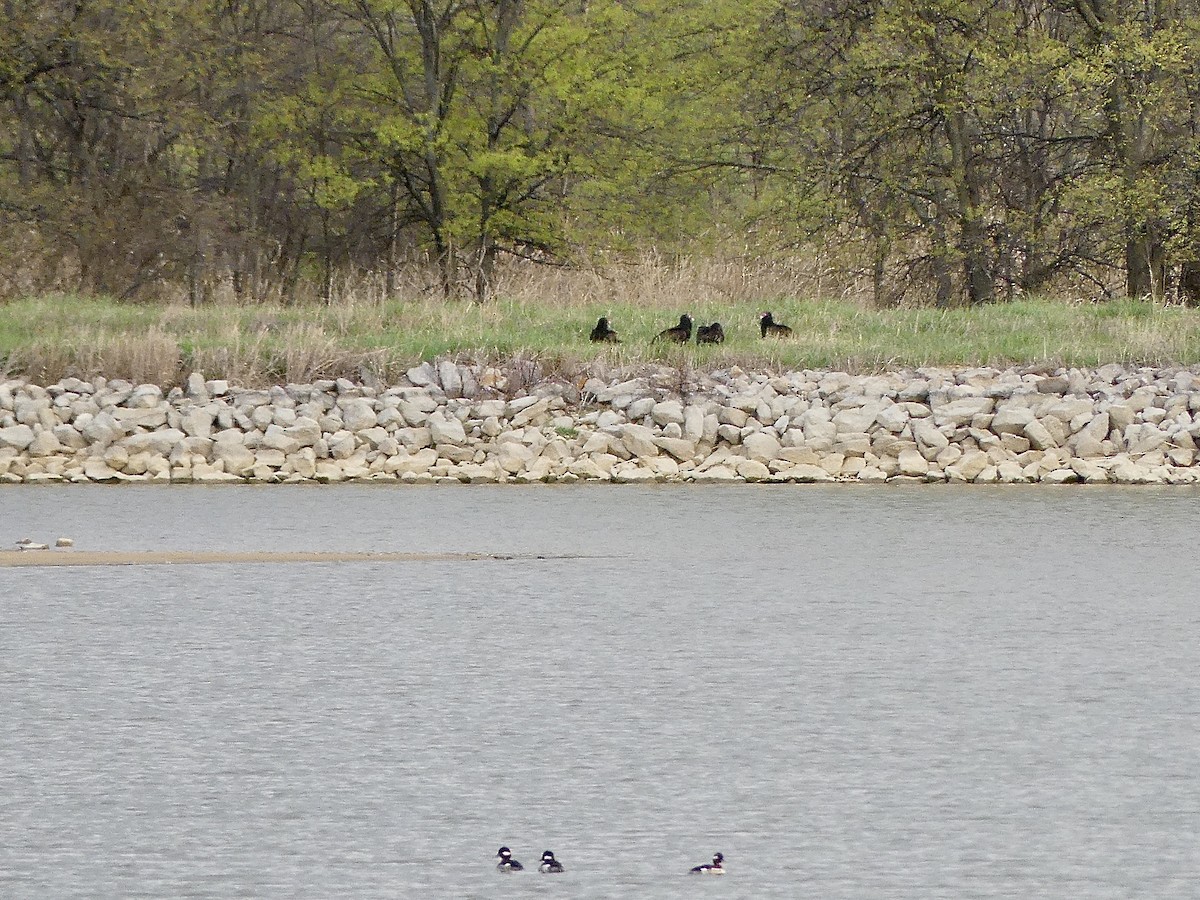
(716, 867)
(710, 334)
(771, 328)
(507, 863)
(602, 334)
(680, 334)
(550, 864)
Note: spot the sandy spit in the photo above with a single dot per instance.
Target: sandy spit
(17, 558)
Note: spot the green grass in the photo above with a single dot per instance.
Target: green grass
(48, 337)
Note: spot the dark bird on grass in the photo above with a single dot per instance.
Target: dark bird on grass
(771, 328)
(680, 334)
(602, 334)
(710, 334)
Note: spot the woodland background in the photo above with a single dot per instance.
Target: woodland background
(940, 152)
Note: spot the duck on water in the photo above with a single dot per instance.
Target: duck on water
(716, 867)
(507, 863)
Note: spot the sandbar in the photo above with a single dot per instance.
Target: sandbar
(19, 558)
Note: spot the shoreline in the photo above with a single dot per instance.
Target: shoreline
(446, 423)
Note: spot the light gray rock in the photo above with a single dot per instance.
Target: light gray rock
(1089, 472)
(753, 470)
(423, 375)
(197, 422)
(140, 417)
(416, 412)
(728, 415)
(1011, 419)
(196, 388)
(145, 396)
(929, 438)
(276, 438)
(29, 410)
(680, 448)
(893, 418)
(445, 430)
(729, 434)
(156, 443)
(858, 420)
(639, 408)
(305, 432)
(912, 463)
(514, 457)
(18, 437)
(761, 446)
(1121, 416)
(638, 440)
(44, 444)
(669, 412)
(1069, 409)
(1125, 471)
(969, 466)
(236, 458)
(531, 413)
(960, 412)
(450, 378)
(487, 409)
(1039, 435)
(342, 445)
(358, 414)
(1144, 438)
(96, 469)
(1060, 476)
(517, 404)
(69, 437)
(809, 474)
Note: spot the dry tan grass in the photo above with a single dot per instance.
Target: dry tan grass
(541, 317)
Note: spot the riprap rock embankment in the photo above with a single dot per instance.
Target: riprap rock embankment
(466, 423)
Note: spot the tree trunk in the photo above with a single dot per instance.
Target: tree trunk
(486, 270)
(1145, 263)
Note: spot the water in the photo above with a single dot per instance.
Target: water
(882, 692)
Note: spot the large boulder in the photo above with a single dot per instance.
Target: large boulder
(446, 430)
(18, 437)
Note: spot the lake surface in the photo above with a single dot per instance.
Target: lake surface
(927, 692)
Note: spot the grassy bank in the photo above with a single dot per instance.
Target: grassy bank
(49, 337)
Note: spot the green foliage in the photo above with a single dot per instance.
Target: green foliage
(946, 150)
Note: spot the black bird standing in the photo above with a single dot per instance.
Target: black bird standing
(710, 334)
(680, 334)
(772, 328)
(602, 334)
